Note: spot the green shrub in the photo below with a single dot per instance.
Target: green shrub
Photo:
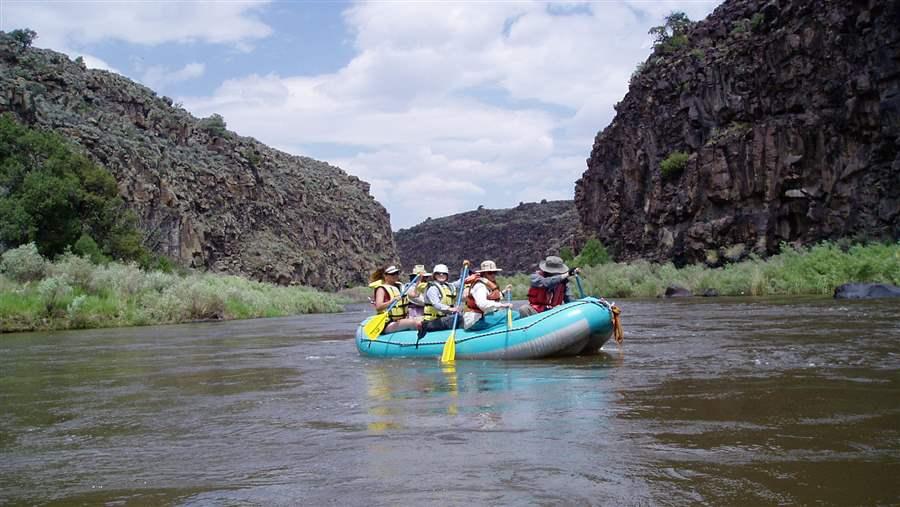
(674, 164)
(55, 195)
(23, 37)
(23, 264)
(565, 253)
(87, 247)
(672, 35)
(214, 125)
(592, 254)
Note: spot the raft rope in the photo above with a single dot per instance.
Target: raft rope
(618, 333)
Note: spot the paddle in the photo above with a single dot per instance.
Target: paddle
(376, 324)
(578, 281)
(449, 353)
(509, 310)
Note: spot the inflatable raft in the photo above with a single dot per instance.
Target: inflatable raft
(577, 328)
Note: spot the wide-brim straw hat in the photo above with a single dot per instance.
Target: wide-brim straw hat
(420, 270)
(553, 264)
(488, 267)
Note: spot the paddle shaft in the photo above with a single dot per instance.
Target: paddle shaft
(459, 291)
(578, 282)
(413, 283)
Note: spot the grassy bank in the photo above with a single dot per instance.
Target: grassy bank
(71, 292)
(806, 271)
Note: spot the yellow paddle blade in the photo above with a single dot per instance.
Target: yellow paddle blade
(449, 354)
(509, 318)
(375, 326)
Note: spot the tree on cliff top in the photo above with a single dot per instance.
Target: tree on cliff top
(23, 36)
(53, 196)
(673, 34)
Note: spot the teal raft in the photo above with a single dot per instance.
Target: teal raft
(577, 328)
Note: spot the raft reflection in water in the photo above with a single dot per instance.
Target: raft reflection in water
(417, 395)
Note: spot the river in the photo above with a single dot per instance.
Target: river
(718, 401)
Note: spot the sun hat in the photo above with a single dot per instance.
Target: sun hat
(420, 270)
(553, 264)
(391, 270)
(488, 266)
(440, 268)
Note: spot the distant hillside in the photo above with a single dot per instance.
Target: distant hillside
(204, 195)
(767, 122)
(515, 238)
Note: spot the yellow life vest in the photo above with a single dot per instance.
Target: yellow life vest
(447, 296)
(399, 310)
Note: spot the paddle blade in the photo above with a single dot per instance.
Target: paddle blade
(449, 354)
(375, 326)
(509, 318)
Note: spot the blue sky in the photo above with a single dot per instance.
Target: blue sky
(440, 106)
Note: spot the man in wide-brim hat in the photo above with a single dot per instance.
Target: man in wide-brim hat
(484, 296)
(549, 286)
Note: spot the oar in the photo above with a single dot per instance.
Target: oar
(578, 281)
(509, 310)
(376, 324)
(449, 354)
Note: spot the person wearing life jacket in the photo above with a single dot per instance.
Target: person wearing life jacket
(386, 284)
(416, 306)
(484, 298)
(549, 286)
(440, 296)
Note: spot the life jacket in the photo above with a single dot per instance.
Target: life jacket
(542, 299)
(399, 310)
(447, 295)
(494, 293)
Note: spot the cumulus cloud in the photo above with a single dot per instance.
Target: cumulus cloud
(159, 77)
(77, 23)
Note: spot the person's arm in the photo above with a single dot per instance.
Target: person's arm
(547, 282)
(382, 300)
(480, 293)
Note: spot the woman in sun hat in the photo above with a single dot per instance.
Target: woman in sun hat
(549, 286)
(416, 306)
(484, 297)
(387, 286)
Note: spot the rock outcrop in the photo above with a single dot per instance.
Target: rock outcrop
(516, 238)
(788, 112)
(204, 195)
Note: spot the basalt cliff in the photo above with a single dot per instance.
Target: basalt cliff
(788, 115)
(516, 238)
(204, 195)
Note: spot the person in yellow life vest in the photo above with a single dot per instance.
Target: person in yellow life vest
(440, 296)
(484, 298)
(387, 286)
(416, 306)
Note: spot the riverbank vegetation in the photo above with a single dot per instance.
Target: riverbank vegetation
(815, 270)
(73, 292)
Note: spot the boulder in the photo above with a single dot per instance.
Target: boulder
(866, 291)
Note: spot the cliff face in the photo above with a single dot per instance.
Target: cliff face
(789, 111)
(204, 195)
(516, 239)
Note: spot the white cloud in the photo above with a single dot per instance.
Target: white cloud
(159, 77)
(77, 23)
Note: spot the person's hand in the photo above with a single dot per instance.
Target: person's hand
(467, 262)
(453, 310)
(574, 271)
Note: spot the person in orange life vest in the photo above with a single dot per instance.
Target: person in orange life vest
(549, 286)
(386, 282)
(484, 298)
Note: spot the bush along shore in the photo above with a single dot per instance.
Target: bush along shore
(71, 292)
(816, 270)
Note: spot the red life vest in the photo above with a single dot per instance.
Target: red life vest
(493, 292)
(542, 299)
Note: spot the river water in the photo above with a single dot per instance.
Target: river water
(710, 401)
